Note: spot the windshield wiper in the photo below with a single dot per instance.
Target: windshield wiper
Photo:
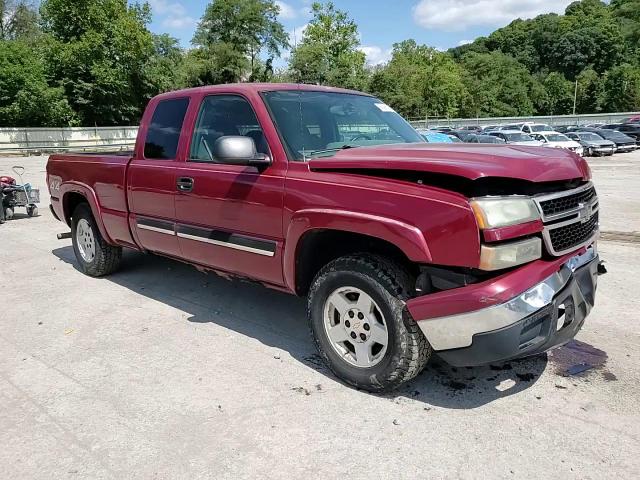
(313, 153)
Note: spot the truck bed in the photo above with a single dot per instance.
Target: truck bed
(102, 179)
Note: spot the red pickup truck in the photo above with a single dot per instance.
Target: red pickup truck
(481, 253)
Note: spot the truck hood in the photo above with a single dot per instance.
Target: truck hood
(472, 161)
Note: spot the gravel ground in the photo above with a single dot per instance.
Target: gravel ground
(160, 371)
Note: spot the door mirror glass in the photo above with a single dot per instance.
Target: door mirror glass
(238, 150)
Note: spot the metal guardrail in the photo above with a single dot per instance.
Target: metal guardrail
(549, 119)
(46, 140)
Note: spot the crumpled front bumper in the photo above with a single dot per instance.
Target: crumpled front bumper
(546, 315)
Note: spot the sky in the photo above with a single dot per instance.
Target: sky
(441, 24)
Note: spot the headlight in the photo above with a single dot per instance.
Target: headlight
(497, 257)
(502, 212)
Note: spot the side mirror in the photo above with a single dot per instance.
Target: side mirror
(239, 150)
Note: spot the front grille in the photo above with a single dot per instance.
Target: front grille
(569, 236)
(570, 202)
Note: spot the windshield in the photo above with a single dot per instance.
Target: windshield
(612, 134)
(557, 137)
(313, 123)
(589, 136)
(540, 128)
(518, 137)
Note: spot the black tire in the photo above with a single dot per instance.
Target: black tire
(32, 211)
(107, 257)
(389, 285)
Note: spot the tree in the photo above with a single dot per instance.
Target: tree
(18, 21)
(622, 89)
(499, 85)
(558, 94)
(231, 36)
(26, 99)
(589, 92)
(97, 50)
(164, 70)
(328, 53)
(419, 81)
(627, 15)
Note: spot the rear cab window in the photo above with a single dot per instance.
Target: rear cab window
(164, 130)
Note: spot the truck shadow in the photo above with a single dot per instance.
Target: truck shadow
(279, 321)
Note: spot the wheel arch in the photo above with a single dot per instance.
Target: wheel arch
(315, 238)
(73, 195)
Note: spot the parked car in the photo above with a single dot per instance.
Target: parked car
(536, 127)
(566, 128)
(558, 140)
(623, 142)
(442, 129)
(484, 139)
(435, 137)
(461, 134)
(471, 128)
(594, 125)
(402, 249)
(516, 137)
(489, 128)
(632, 119)
(631, 130)
(593, 144)
(512, 126)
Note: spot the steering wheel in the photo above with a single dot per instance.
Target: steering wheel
(361, 137)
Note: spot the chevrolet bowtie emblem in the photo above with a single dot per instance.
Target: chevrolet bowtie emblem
(585, 211)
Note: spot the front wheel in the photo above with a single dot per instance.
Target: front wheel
(360, 324)
(95, 256)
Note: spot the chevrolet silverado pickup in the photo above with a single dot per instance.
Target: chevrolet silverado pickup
(478, 253)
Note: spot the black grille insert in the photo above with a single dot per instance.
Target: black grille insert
(570, 202)
(569, 236)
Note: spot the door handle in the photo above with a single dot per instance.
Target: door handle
(184, 184)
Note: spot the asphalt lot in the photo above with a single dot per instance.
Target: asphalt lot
(160, 371)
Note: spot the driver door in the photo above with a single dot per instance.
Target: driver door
(229, 217)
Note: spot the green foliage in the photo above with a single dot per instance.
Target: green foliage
(419, 81)
(500, 85)
(328, 53)
(18, 21)
(96, 62)
(26, 99)
(105, 58)
(229, 39)
(622, 89)
(559, 93)
(587, 44)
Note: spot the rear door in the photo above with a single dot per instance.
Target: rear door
(230, 216)
(152, 177)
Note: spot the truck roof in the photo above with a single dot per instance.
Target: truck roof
(255, 87)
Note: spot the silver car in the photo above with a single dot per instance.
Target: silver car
(516, 137)
(593, 144)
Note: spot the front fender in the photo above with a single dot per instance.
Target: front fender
(87, 192)
(407, 238)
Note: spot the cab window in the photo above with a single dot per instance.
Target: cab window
(163, 134)
(224, 115)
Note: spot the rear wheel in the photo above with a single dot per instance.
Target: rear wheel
(95, 256)
(360, 324)
(32, 211)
